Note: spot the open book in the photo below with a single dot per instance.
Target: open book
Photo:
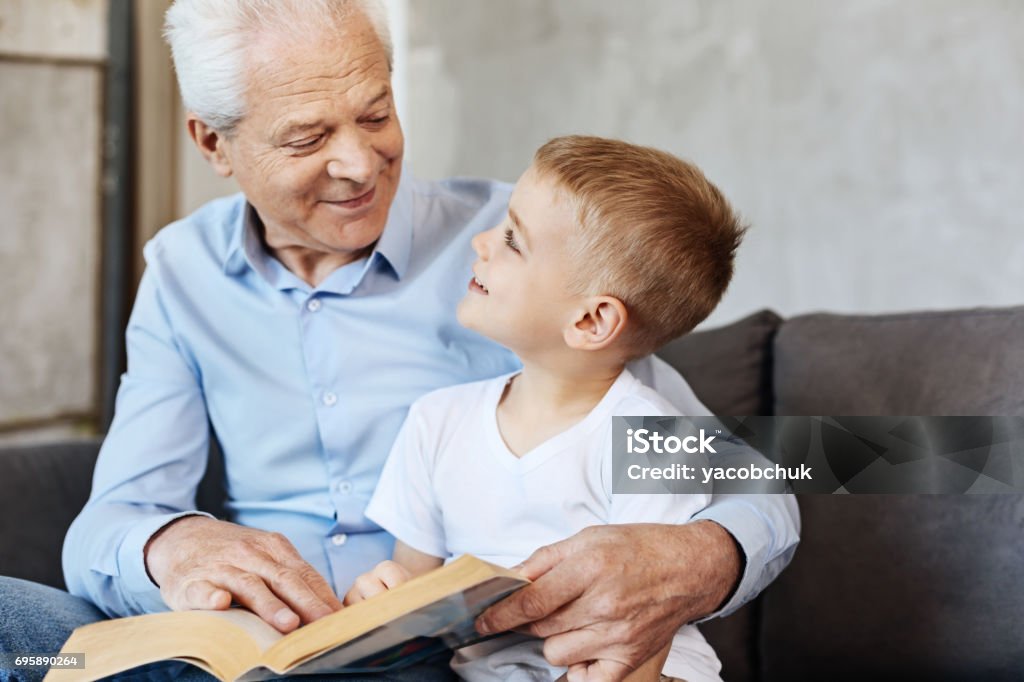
(414, 621)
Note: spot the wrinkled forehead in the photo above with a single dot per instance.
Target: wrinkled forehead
(312, 62)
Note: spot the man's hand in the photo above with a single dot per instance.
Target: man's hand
(385, 576)
(202, 563)
(610, 597)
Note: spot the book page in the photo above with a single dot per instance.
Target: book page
(439, 605)
(443, 624)
(215, 640)
(262, 634)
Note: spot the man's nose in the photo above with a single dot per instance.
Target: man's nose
(351, 157)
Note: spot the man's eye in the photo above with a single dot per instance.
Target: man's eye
(510, 241)
(305, 143)
(378, 119)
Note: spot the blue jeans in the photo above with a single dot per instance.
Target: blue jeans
(38, 619)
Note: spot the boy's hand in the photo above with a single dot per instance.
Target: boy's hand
(385, 576)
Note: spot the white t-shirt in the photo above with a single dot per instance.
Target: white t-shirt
(451, 486)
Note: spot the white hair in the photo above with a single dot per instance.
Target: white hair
(209, 41)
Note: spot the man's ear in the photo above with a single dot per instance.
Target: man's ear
(598, 323)
(210, 144)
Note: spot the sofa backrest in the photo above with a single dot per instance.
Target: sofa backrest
(965, 362)
(730, 367)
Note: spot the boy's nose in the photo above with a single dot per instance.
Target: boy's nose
(480, 244)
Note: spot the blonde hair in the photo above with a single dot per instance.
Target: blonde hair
(651, 231)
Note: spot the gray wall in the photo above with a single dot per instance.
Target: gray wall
(52, 56)
(877, 148)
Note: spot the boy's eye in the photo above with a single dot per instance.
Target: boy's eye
(510, 241)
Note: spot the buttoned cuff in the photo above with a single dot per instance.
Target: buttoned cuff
(754, 534)
(131, 561)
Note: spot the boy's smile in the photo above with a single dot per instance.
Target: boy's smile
(518, 294)
(476, 286)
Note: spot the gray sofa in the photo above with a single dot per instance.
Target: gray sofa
(882, 587)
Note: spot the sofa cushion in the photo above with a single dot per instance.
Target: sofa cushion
(729, 368)
(43, 489)
(899, 587)
(734, 639)
(967, 362)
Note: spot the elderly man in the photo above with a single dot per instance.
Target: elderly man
(300, 319)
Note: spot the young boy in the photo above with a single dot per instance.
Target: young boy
(609, 251)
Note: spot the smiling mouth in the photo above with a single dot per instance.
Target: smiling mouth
(356, 202)
(477, 286)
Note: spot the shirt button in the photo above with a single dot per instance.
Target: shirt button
(344, 487)
(329, 399)
(313, 305)
(338, 539)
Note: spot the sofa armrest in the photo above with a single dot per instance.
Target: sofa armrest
(42, 489)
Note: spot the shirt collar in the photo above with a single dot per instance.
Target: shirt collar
(242, 232)
(394, 245)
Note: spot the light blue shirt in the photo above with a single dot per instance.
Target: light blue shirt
(306, 388)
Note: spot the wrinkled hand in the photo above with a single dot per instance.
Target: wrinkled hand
(385, 576)
(202, 563)
(610, 597)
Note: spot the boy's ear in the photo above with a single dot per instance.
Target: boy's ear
(598, 323)
(210, 143)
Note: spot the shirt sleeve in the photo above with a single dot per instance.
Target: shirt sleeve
(655, 508)
(404, 503)
(766, 527)
(148, 470)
